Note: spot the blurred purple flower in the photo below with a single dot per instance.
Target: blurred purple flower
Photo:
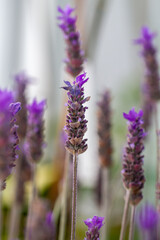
(35, 131)
(104, 130)
(75, 56)
(8, 134)
(148, 218)
(76, 124)
(149, 54)
(132, 172)
(21, 83)
(94, 225)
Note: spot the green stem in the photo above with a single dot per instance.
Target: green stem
(131, 230)
(124, 218)
(33, 195)
(74, 197)
(105, 200)
(0, 211)
(64, 199)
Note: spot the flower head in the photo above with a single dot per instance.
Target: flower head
(76, 124)
(75, 58)
(149, 54)
(132, 172)
(146, 38)
(94, 225)
(8, 134)
(104, 130)
(35, 135)
(21, 83)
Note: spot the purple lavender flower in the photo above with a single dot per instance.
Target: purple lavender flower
(35, 135)
(21, 82)
(133, 177)
(76, 124)
(8, 134)
(104, 130)
(94, 225)
(149, 54)
(75, 56)
(147, 220)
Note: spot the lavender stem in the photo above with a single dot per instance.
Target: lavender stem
(64, 198)
(131, 230)
(74, 197)
(125, 212)
(158, 155)
(0, 212)
(106, 198)
(33, 195)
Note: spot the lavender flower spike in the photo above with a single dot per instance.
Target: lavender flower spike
(133, 177)
(104, 130)
(35, 135)
(8, 134)
(75, 56)
(149, 54)
(21, 82)
(94, 225)
(76, 124)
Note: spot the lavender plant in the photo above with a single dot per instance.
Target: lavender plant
(76, 126)
(149, 55)
(34, 145)
(35, 132)
(132, 172)
(8, 139)
(94, 225)
(23, 168)
(75, 56)
(104, 130)
(8, 135)
(74, 65)
(152, 87)
(105, 152)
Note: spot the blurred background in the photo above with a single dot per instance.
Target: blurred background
(30, 40)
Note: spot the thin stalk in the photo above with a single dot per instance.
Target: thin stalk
(17, 206)
(125, 213)
(0, 211)
(131, 229)
(105, 200)
(15, 216)
(33, 195)
(64, 199)
(158, 154)
(74, 197)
